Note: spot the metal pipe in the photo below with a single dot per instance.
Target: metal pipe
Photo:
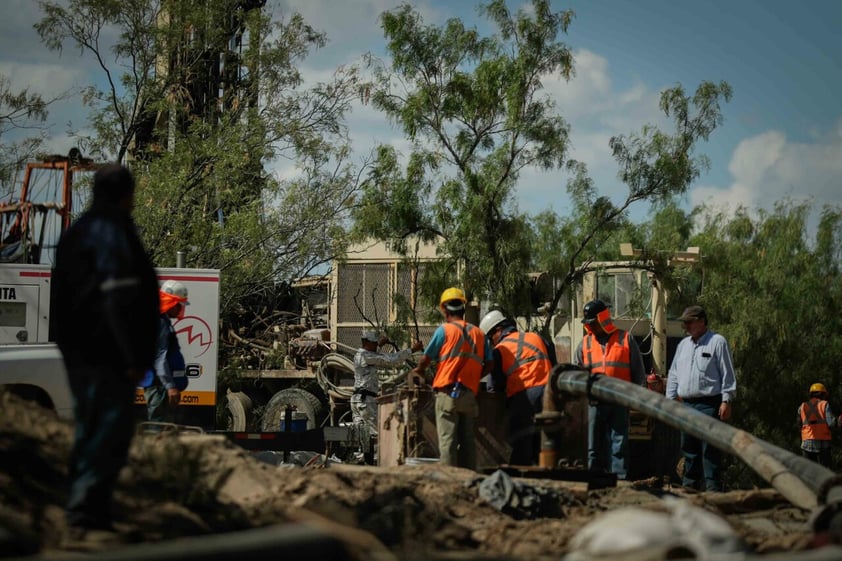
(802, 482)
(549, 420)
(659, 327)
(180, 258)
(288, 541)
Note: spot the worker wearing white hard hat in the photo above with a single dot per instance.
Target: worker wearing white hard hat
(162, 390)
(522, 364)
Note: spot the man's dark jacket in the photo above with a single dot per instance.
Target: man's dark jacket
(104, 294)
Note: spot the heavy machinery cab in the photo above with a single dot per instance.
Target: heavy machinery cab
(638, 306)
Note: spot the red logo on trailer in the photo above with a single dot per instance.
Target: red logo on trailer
(198, 333)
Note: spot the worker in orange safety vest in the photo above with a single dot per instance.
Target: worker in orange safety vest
(611, 352)
(816, 419)
(463, 356)
(522, 363)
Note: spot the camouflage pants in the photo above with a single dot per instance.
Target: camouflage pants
(364, 416)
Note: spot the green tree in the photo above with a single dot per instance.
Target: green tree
(205, 100)
(122, 38)
(474, 110)
(771, 286)
(657, 167)
(22, 115)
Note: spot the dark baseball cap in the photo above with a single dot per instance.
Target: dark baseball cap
(692, 313)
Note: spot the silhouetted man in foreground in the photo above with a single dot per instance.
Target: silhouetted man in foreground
(105, 298)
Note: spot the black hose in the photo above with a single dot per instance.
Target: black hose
(803, 482)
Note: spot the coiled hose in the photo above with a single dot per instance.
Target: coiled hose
(338, 361)
(335, 361)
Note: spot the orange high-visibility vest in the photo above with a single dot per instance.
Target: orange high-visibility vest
(524, 361)
(461, 356)
(814, 420)
(614, 362)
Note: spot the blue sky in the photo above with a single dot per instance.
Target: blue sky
(782, 135)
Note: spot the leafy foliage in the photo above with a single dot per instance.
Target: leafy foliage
(130, 31)
(207, 102)
(473, 109)
(772, 288)
(656, 167)
(21, 113)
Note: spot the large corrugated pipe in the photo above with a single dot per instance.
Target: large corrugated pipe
(288, 541)
(804, 483)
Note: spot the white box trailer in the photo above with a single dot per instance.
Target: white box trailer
(198, 333)
(25, 320)
(24, 303)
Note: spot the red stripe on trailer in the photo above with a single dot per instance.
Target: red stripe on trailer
(38, 274)
(188, 278)
(254, 436)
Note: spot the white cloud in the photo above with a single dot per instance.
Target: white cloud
(588, 92)
(769, 167)
(48, 80)
(596, 111)
(591, 98)
(353, 24)
(754, 156)
(718, 199)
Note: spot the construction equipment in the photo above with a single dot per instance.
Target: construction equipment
(407, 428)
(315, 373)
(301, 362)
(305, 355)
(44, 209)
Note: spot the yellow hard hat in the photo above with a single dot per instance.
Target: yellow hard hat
(818, 387)
(452, 293)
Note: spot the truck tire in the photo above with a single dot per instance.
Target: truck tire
(300, 400)
(239, 407)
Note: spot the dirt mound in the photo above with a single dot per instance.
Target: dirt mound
(193, 485)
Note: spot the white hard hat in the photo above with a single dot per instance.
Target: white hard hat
(175, 288)
(491, 320)
(371, 335)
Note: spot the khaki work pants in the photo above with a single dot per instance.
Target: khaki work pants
(455, 424)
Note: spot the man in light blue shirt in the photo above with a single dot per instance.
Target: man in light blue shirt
(702, 376)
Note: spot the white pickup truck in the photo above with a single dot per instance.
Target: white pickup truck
(36, 372)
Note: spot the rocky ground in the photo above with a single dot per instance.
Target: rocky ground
(197, 485)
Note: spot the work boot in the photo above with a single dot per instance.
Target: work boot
(18, 542)
(81, 538)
